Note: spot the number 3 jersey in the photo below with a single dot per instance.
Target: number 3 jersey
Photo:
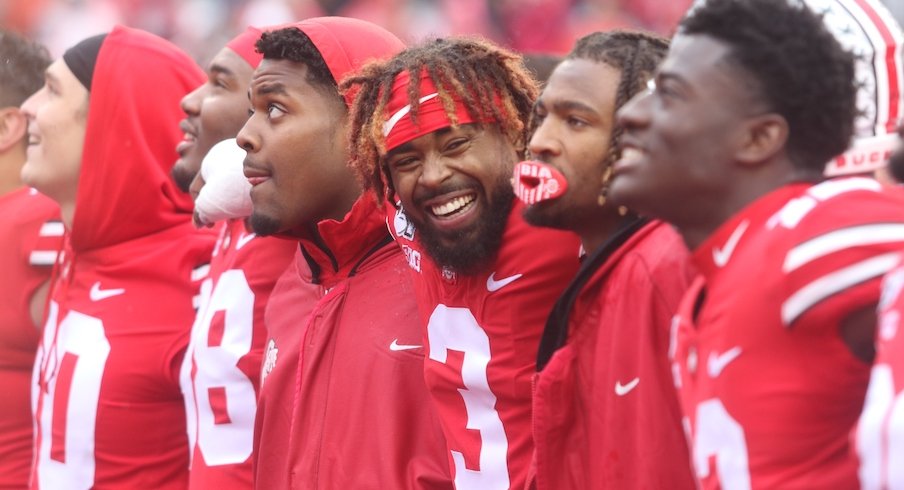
(482, 334)
(880, 434)
(220, 375)
(769, 387)
(105, 395)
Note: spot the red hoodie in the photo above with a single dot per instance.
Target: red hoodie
(107, 404)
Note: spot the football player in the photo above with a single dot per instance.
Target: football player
(220, 375)
(604, 400)
(32, 234)
(437, 131)
(107, 405)
(772, 345)
(343, 402)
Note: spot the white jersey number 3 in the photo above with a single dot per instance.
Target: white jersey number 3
(219, 397)
(721, 436)
(456, 329)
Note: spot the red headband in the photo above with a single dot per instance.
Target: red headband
(399, 129)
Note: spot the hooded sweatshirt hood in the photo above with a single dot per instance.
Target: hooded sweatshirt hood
(125, 190)
(347, 44)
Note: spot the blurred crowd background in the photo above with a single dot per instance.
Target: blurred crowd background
(202, 26)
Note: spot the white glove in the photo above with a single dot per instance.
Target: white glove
(226, 192)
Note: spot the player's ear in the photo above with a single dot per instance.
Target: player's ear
(764, 136)
(13, 126)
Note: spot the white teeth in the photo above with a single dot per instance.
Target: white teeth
(452, 206)
(631, 153)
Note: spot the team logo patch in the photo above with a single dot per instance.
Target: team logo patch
(269, 360)
(403, 226)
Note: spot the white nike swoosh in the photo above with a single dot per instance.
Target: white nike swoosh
(396, 346)
(721, 255)
(97, 294)
(493, 285)
(717, 362)
(244, 239)
(623, 389)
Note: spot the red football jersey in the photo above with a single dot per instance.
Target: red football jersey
(880, 434)
(32, 236)
(482, 333)
(220, 375)
(769, 388)
(105, 395)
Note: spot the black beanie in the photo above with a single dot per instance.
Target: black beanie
(82, 57)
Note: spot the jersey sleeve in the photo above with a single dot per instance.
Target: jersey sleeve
(836, 257)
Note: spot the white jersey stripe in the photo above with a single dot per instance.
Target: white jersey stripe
(42, 257)
(835, 282)
(52, 228)
(200, 272)
(854, 236)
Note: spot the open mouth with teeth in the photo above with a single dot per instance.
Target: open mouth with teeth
(629, 155)
(453, 207)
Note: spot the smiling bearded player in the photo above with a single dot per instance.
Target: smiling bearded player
(440, 127)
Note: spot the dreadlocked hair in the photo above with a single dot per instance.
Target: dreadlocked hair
(636, 55)
(471, 70)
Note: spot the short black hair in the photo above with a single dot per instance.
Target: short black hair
(799, 68)
(22, 65)
(292, 44)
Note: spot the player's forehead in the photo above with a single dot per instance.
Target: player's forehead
(705, 68)
(581, 85)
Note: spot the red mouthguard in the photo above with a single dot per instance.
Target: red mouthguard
(536, 182)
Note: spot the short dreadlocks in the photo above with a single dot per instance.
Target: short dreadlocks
(635, 54)
(470, 70)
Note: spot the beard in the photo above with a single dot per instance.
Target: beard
(182, 177)
(543, 214)
(263, 225)
(476, 246)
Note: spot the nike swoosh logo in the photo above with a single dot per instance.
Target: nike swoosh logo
(493, 285)
(721, 255)
(624, 389)
(244, 239)
(396, 346)
(97, 294)
(717, 362)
